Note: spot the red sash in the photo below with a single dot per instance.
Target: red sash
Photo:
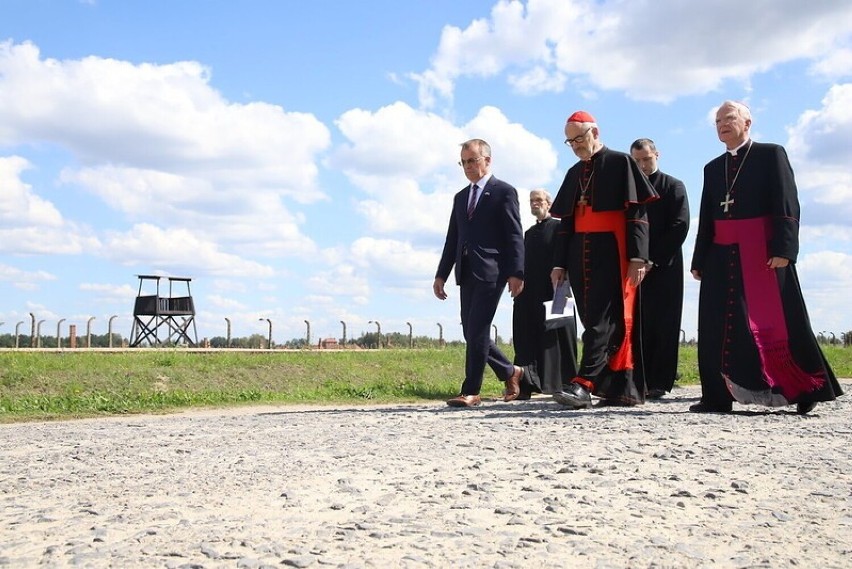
(588, 221)
(765, 310)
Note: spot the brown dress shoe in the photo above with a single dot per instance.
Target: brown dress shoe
(464, 401)
(513, 385)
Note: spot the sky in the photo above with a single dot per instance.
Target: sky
(297, 160)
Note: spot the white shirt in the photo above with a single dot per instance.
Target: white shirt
(480, 184)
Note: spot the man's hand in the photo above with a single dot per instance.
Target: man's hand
(557, 275)
(516, 286)
(696, 274)
(777, 262)
(636, 272)
(438, 288)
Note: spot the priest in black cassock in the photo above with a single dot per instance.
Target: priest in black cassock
(659, 306)
(547, 356)
(755, 341)
(603, 244)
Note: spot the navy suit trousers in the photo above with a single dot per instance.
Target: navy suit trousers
(479, 302)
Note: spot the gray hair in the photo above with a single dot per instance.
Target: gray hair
(548, 198)
(742, 110)
(585, 124)
(477, 144)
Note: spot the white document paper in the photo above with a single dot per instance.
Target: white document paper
(567, 310)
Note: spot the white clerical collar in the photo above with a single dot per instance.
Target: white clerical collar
(737, 149)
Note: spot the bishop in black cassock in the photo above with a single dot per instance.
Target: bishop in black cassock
(755, 341)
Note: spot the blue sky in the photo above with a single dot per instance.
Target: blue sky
(297, 160)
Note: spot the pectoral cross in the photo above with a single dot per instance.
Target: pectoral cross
(728, 201)
(582, 203)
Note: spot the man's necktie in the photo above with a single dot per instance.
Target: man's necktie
(472, 205)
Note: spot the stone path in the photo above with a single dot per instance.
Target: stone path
(522, 484)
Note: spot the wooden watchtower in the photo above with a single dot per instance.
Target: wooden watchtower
(161, 320)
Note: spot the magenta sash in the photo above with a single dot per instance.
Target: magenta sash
(765, 310)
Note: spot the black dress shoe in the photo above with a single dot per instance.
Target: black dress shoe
(524, 396)
(614, 403)
(656, 393)
(702, 407)
(575, 396)
(806, 407)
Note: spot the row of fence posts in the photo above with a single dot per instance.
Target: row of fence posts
(35, 332)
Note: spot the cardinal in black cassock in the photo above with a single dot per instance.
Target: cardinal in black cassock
(603, 244)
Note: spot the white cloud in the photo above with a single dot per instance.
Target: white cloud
(35, 240)
(835, 65)
(157, 143)
(405, 208)
(696, 46)
(411, 181)
(396, 263)
(538, 80)
(30, 224)
(24, 280)
(396, 141)
(247, 220)
(178, 250)
(163, 117)
(341, 281)
(825, 277)
(229, 286)
(819, 145)
(823, 235)
(224, 303)
(110, 293)
(832, 269)
(42, 313)
(519, 157)
(19, 205)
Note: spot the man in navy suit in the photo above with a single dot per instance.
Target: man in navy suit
(485, 243)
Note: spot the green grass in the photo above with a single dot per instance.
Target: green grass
(52, 385)
(44, 385)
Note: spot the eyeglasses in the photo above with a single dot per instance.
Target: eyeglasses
(469, 162)
(577, 139)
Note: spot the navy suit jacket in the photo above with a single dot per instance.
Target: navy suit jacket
(492, 239)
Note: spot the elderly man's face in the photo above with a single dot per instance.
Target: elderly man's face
(731, 127)
(475, 165)
(539, 206)
(581, 138)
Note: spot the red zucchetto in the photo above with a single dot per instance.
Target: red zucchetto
(581, 116)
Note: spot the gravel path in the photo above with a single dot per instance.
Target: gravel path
(522, 484)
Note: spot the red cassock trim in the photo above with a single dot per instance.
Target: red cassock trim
(588, 221)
